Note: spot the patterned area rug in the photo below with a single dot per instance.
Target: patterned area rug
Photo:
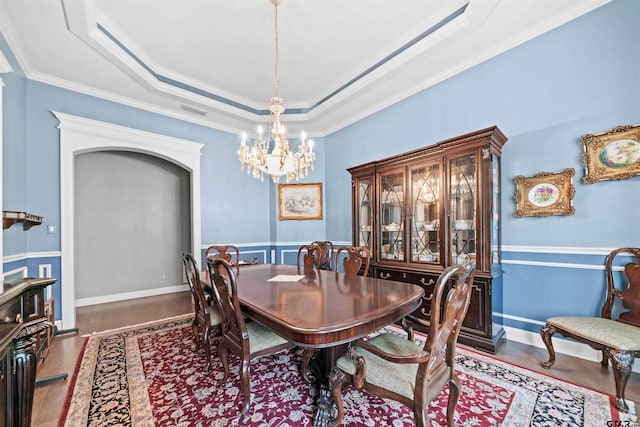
(148, 375)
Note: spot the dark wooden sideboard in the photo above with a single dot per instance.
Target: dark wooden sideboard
(22, 319)
(426, 209)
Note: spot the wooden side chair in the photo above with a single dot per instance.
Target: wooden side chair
(324, 254)
(224, 252)
(618, 337)
(247, 340)
(206, 316)
(308, 253)
(393, 367)
(357, 256)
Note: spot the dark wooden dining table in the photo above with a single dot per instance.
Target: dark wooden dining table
(321, 309)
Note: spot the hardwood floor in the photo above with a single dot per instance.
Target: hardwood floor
(62, 357)
(49, 400)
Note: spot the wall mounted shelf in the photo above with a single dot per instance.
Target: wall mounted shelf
(14, 217)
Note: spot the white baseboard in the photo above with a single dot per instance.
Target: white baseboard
(561, 346)
(130, 295)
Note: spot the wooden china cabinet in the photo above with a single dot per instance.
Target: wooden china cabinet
(426, 209)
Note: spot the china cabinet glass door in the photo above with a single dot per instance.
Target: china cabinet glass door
(364, 193)
(425, 215)
(392, 215)
(494, 242)
(462, 211)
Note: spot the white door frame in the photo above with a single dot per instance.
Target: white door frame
(5, 67)
(80, 135)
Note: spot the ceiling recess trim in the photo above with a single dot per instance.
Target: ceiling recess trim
(160, 78)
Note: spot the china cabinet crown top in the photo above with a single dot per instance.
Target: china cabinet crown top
(493, 134)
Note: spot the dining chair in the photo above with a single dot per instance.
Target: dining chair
(206, 316)
(324, 254)
(224, 252)
(616, 332)
(246, 339)
(356, 257)
(393, 367)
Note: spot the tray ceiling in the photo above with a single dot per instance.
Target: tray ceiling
(212, 61)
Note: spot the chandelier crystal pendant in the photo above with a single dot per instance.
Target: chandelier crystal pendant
(280, 161)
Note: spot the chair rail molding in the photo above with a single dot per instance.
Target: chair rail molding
(571, 250)
(81, 135)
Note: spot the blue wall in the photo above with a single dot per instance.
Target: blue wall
(583, 77)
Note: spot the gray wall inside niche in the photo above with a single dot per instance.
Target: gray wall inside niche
(132, 222)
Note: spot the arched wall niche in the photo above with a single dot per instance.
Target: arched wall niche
(80, 135)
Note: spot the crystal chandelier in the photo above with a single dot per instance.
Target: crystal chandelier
(280, 161)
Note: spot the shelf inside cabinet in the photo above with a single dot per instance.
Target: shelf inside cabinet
(14, 217)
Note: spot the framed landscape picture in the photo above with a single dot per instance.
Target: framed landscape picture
(300, 201)
(545, 194)
(614, 154)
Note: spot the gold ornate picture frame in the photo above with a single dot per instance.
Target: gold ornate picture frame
(300, 201)
(545, 194)
(611, 155)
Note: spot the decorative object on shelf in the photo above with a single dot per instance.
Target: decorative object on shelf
(614, 154)
(430, 226)
(545, 194)
(280, 161)
(300, 201)
(462, 224)
(391, 227)
(13, 217)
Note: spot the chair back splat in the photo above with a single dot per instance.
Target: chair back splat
(224, 252)
(247, 340)
(324, 254)
(617, 338)
(318, 254)
(405, 371)
(357, 258)
(308, 253)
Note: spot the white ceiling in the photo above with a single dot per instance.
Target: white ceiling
(340, 60)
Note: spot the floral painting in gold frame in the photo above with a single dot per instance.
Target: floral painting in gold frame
(545, 194)
(300, 201)
(614, 154)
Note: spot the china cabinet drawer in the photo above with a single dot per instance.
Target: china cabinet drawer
(426, 281)
(416, 278)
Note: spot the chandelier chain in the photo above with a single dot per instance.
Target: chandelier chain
(277, 50)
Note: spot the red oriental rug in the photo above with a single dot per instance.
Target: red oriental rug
(148, 375)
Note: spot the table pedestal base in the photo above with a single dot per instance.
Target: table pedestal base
(322, 364)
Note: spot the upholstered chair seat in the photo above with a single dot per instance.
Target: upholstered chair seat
(399, 378)
(215, 317)
(610, 333)
(261, 338)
